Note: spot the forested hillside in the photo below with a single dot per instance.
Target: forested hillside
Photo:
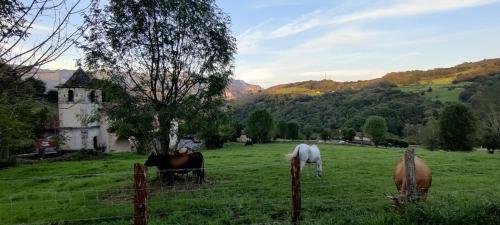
(463, 72)
(345, 109)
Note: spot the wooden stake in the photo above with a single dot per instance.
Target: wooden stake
(295, 170)
(411, 178)
(141, 195)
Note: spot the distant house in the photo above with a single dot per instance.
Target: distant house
(361, 139)
(77, 104)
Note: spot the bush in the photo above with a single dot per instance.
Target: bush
(11, 162)
(491, 141)
(457, 127)
(348, 134)
(375, 127)
(260, 126)
(396, 143)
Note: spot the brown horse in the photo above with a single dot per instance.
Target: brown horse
(423, 177)
(179, 163)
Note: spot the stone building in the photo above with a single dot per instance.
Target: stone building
(77, 104)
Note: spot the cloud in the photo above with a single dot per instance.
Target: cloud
(326, 17)
(306, 22)
(341, 37)
(409, 8)
(276, 3)
(41, 28)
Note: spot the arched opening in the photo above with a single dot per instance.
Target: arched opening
(104, 98)
(71, 95)
(92, 96)
(94, 142)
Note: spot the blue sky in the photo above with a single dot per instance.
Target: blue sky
(283, 41)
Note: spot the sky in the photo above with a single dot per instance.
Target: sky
(284, 41)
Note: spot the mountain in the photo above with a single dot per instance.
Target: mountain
(239, 88)
(52, 78)
(463, 72)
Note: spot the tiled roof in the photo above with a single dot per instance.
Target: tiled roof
(77, 80)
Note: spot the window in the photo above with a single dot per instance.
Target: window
(71, 95)
(103, 96)
(92, 96)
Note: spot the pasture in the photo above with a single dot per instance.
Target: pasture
(251, 185)
(444, 92)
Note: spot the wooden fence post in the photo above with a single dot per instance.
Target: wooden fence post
(295, 190)
(411, 178)
(141, 195)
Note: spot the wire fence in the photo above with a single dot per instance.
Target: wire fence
(239, 194)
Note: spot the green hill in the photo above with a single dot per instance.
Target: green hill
(439, 76)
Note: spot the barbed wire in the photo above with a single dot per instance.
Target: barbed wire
(216, 196)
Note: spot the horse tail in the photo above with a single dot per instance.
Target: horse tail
(202, 169)
(294, 153)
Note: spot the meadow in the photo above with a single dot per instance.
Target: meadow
(251, 185)
(444, 92)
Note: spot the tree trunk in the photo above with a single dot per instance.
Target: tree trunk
(164, 135)
(4, 154)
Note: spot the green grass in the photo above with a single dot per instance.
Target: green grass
(442, 92)
(252, 185)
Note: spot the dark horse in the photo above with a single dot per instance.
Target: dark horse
(180, 163)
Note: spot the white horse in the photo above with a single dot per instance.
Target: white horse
(307, 154)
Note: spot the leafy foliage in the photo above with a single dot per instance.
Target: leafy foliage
(457, 127)
(459, 73)
(491, 141)
(344, 109)
(307, 131)
(348, 134)
(260, 126)
(325, 134)
(126, 118)
(484, 97)
(292, 130)
(211, 123)
(176, 55)
(282, 130)
(375, 127)
(429, 136)
(21, 116)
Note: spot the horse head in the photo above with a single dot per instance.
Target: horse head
(152, 159)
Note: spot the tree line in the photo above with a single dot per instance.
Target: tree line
(386, 116)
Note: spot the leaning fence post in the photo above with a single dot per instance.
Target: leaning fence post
(411, 178)
(295, 190)
(141, 195)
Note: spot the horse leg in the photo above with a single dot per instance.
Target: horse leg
(170, 178)
(198, 176)
(319, 168)
(302, 164)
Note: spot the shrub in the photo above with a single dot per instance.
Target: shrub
(375, 127)
(457, 127)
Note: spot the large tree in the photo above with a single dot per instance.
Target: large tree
(292, 130)
(457, 127)
(307, 131)
(282, 129)
(348, 134)
(260, 126)
(22, 118)
(375, 127)
(176, 55)
(28, 42)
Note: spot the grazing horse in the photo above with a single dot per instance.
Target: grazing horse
(307, 154)
(423, 178)
(180, 163)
